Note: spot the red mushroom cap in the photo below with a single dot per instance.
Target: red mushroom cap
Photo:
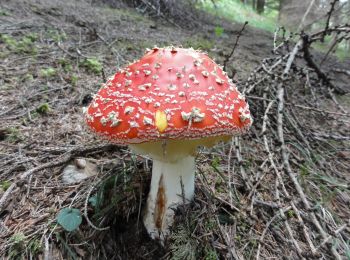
(170, 93)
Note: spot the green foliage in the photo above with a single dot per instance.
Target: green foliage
(69, 218)
(35, 246)
(17, 238)
(56, 35)
(210, 254)
(13, 135)
(112, 191)
(4, 185)
(290, 213)
(199, 43)
(25, 45)
(184, 246)
(219, 31)
(106, 197)
(236, 11)
(220, 185)
(18, 245)
(128, 14)
(32, 37)
(341, 51)
(28, 77)
(67, 67)
(329, 186)
(69, 250)
(210, 224)
(48, 72)
(238, 238)
(8, 40)
(74, 80)
(226, 219)
(215, 163)
(92, 65)
(304, 171)
(242, 222)
(43, 109)
(4, 13)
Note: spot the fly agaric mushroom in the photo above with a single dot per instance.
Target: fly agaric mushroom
(165, 105)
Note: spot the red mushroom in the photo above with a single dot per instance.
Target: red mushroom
(165, 105)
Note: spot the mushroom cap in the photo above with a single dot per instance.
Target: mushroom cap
(170, 93)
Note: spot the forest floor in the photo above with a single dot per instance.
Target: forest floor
(55, 54)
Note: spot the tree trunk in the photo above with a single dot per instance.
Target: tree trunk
(254, 4)
(260, 6)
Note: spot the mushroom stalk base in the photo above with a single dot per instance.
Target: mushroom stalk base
(172, 185)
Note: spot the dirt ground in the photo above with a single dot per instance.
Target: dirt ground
(53, 56)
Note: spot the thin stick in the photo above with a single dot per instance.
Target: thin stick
(228, 57)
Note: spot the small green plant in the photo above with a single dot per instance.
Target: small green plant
(227, 219)
(63, 62)
(18, 244)
(219, 31)
(17, 238)
(67, 67)
(235, 10)
(13, 135)
(28, 77)
(220, 185)
(7, 39)
(56, 36)
(43, 109)
(74, 80)
(32, 37)
(25, 45)
(69, 218)
(4, 13)
(304, 171)
(34, 115)
(210, 254)
(210, 224)
(4, 185)
(92, 65)
(238, 238)
(184, 246)
(48, 72)
(35, 247)
(290, 213)
(199, 43)
(215, 163)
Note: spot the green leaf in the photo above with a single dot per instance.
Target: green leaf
(219, 31)
(69, 218)
(5, 185)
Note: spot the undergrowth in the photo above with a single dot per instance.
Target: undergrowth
(238, 12)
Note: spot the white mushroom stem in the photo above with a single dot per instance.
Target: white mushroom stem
(172, 185)
(172, 179)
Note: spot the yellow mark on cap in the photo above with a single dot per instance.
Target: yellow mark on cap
(161, 121)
